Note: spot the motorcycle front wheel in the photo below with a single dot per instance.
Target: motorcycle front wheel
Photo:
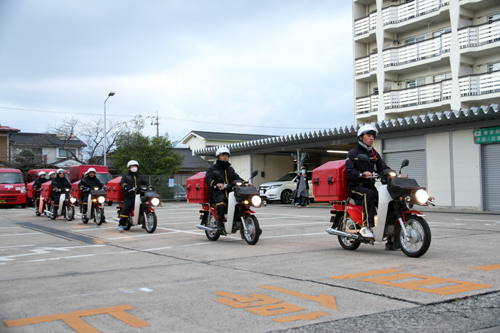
(252, 232)
(211, 222)
(419, 237)
(69, 213)
(344, 225)
(99, 216)
(150, 222)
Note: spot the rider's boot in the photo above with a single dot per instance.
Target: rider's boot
(220, 227)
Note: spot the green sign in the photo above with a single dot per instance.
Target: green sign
(487, 135)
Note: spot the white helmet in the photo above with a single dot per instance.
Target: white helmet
(222, 150)
(41, 173)
(368, 128)
(60, 171)
(132, 162)
(90, 170)
(51, 173)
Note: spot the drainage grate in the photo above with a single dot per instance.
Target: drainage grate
(62, 234)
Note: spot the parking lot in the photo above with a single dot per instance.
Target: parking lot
(60, 276)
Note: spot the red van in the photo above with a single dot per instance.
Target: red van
(12, 188)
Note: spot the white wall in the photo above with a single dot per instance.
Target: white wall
(437, 148)
(467, 171)
(273, 167)
(241, 165)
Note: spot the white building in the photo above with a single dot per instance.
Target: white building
(422, 56)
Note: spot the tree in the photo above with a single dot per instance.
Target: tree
(155, 155)
(91, 133)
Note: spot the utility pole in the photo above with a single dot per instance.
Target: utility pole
(155, 121)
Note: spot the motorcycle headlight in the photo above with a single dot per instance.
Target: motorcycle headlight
(73, 200)
(155, 201)
(101, 199)
(393, 174)
(256, 201)
(421, 196)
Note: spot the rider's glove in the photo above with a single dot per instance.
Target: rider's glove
(151, 188)
(131, 189)
(85, 188)
(127, 188)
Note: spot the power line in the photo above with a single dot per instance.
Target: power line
(171, 118)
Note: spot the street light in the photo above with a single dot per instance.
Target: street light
(105, 141)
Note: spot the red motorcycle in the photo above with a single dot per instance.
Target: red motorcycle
(395, 220)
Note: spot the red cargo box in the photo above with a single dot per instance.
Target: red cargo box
(46, 191)
(29, 190)
(115, 192)
(75, 190)
(196, 188)
(330, 182)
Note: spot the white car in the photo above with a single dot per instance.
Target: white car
(282, 188)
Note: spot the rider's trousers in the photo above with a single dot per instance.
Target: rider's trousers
(220, 201)
(369, 197)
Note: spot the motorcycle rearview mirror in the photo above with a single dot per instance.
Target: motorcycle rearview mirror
(363, 158)
(254, 173)
(404, 164)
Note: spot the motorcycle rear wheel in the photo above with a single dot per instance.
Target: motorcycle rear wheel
(69, 212)
(150, 222)
(420, 239)
(211, 222)
(346, 243)
(99, 216)
(54, 213)
(252, 232)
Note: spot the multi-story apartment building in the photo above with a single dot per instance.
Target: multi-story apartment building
(424, 56)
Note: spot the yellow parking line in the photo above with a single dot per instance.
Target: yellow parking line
(488, 268)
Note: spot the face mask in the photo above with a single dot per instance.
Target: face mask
(303, 171)
(133, 169)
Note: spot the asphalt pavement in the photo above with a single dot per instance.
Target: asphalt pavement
(67, 276)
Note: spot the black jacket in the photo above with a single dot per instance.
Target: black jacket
(355, 167)
(132, 179)
(90, 183)
(225, 170)
(37, 185)
(60, 183)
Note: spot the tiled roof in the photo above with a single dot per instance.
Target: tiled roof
(484, 115)
(42, 139)
(191, 162)
(8, 129)
(227, 136)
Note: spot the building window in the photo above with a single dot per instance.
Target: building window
(441, 77)
(494, 67)
(493, 18)
(439, 33)
(415, 83)
(414, 40)
(65, 153)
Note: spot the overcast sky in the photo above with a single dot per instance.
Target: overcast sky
(277, 67)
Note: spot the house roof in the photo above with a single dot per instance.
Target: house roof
(8, 129)
(191, 162)
(475, 117)
(43, 139)
(221, 136)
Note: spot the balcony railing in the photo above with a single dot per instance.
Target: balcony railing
(479, 84)
(363, 25)
(419, 51)
(478, 35)
(367, 104)
(429, 93)
(410, 10)
(366, 64)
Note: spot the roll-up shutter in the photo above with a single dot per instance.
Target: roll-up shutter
(409, 148)
(491, 177)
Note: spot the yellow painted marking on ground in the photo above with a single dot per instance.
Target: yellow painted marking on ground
(305, 316)
(274, 309)
(365, 274)
(78, 324)
(239, 301)
(326, 301)
(488, 268)
(459, 287)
